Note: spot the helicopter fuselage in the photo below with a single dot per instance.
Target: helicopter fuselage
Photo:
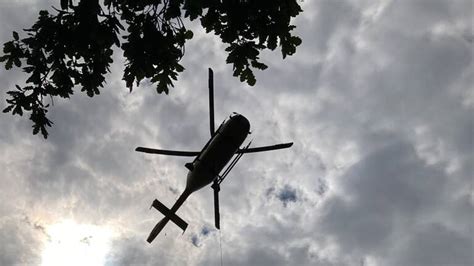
(206, 168)
(217, 152)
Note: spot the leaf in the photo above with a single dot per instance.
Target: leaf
(249, 76)
(28, 69)
(8, 47)
(251, 81)
(193, 9)
(179, 68)
(34, 78)
(9, 64)
(117, 23)
(161, 87)
(272, 42)
(17, 62)
(259, 65)
(188, 35)
(18, 110)
(15, 36)
(35, 129)
(64, 4)
(43, 13)
(296, 40)
(44, 132)
(8, 109)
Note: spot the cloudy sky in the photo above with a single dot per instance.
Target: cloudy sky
(378, 101)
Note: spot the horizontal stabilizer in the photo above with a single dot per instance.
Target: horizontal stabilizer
(167, 152)
(171, 216)
(266, 148)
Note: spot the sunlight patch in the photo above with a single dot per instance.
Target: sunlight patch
(70, 243)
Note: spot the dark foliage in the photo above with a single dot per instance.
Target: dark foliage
(73, 47)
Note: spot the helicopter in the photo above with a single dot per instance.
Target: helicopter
(208, 163)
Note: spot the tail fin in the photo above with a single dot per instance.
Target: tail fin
(157, 229)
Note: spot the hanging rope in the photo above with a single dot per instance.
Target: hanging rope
(220, 245)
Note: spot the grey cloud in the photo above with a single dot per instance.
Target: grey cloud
(198, 238)
(129, 252)
(386, 196)
(21, 242)
(434, 244)
(195, 240)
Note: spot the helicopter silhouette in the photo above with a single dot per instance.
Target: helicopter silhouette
(208, 163)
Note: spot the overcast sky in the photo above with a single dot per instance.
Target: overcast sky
(378, 101)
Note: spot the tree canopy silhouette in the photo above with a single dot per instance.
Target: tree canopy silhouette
(73, 47)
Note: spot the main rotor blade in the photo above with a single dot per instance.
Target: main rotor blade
(211, 101)
(216, 188)
(167, 152)
(266, 148)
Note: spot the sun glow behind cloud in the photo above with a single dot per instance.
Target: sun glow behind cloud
(70, 243)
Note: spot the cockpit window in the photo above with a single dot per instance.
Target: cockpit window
(234, 114)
